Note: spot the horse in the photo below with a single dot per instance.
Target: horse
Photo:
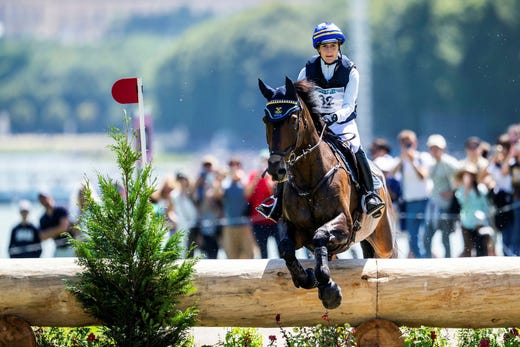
(321, 206)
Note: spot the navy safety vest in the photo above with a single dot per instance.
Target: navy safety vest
(339, 79)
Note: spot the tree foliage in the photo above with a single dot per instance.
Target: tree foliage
(434, 62)
(445, 62)
(131, 280)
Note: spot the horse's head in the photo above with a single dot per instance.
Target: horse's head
(282, 123)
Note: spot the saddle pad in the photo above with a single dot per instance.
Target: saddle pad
(350, 165)
(378, 183)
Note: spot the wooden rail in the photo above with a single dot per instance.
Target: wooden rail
(451, 293)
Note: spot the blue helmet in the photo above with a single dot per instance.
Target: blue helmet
(327, 32)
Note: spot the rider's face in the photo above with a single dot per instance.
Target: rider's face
(329, 52)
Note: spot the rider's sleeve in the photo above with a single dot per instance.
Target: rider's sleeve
(350, 96)
(302, 74)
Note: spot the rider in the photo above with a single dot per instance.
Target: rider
(337, 80)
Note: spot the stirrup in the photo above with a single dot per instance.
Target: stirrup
(375, 210)
(267, 207)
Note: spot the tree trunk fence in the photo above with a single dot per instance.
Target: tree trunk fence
(378, 295)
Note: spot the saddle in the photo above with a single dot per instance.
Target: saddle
(348, 157)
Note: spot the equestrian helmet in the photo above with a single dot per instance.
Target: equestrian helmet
(327, 32)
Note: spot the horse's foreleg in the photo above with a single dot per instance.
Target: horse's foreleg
(301, 277)
(327, 237)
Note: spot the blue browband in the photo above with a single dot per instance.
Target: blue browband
(278, 110)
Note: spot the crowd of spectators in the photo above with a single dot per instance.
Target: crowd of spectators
(432, 192)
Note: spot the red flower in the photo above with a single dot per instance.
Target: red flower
(433, 335)
(510, 334)
(272, 338)
(247, 339)
(325, 316)
(484, 343)
(91, 337)
(278, 318)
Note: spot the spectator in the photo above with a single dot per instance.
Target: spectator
(78, 203)
(257, 190)
(237, 237)
(209, 207)
(485, 148)
(473, 148)
(502, 192)
(163, 202)
(25, 238)
(513, 131)
(55, 224)
(514, 164)
(441, 174)
(413, 168)
(474, 213)
(186, 212)
(380, 152)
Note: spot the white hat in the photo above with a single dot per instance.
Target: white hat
(437, 141)
(24, 205)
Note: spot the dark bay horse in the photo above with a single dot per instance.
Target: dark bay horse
(321, 208)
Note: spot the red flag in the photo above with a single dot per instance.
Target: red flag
(124, 91)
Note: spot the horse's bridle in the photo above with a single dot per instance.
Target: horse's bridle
(289, 154)
(290, 158)
(290, 150)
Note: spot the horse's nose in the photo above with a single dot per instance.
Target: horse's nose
(276, 167)
(281, 172)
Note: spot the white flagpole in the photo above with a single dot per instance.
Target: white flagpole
(141, 121)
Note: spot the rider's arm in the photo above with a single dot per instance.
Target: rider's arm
(350, 96)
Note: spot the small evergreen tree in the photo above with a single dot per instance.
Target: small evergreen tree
(131, 280)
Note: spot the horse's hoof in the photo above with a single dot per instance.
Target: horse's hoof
(310, 280)
(330, 295)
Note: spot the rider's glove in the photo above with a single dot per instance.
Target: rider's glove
(330, 118)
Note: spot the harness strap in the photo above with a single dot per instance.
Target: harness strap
(292, 159)
(324, 179)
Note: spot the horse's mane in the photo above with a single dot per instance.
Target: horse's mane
(305, 90)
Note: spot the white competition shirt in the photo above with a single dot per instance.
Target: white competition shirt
(413, 187)
(343, 109)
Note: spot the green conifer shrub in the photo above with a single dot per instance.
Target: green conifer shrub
(131, 280)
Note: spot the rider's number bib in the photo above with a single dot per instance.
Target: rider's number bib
(329, 100)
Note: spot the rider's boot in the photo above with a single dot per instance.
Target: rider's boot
(371, 201)
(271, 208)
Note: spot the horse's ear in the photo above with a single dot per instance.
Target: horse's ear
(267, 91)
(290, 89)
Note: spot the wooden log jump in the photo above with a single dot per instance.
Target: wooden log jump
(450, 293)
